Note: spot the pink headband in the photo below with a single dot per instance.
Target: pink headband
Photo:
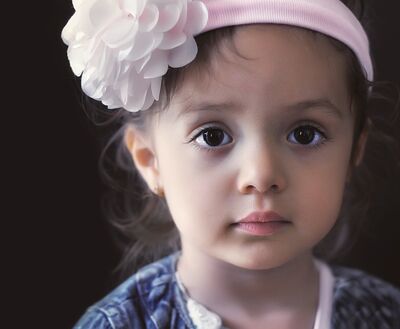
(123, 48)
(330, 17)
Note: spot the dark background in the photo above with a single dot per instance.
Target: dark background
(64, 256)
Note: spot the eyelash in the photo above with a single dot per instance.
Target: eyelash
(202, 131)
(324, 138)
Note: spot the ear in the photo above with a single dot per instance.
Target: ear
(359, 149)
(362, 141)
(143, 155)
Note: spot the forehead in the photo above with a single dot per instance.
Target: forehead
(275, 65)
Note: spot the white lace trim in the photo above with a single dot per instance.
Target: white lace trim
(201, 317)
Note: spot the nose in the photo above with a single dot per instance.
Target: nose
(261, 170)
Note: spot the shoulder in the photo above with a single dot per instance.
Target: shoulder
(363, 300)
(134, 302)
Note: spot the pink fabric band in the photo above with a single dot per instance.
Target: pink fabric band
(330, 17)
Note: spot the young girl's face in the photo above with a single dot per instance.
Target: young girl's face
(267, 130)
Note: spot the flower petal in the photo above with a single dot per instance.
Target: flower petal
(157, 65)
(148, 101)
(103, 12)
(93, 46)
(78, 25)
(70, 30)
(98, 61)
(169, 16)
(124, 90)
(180, 24)
(138, 88)
(125, 67)
(129, 6)
(143, 45)
(111, 103)
(141, 63)
(87, 75)
(149, 18)
(172, 39)
(134, 7)
(197, 17)
(156, 87)
(78, 3)
(158, 38)
(129, 38)
(123, 53)
(91, 86)
(76, 57)
(119, 31)
(184, 54)
(109, 66)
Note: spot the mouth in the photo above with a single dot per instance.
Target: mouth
(261, 223)
(261, 228)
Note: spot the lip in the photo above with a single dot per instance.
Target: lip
(261, 223)
(262, 217)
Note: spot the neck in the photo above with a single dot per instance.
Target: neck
(225, 288)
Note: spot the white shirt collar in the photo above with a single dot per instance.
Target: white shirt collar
(203, 318)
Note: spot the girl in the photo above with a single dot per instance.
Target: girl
(246, 120)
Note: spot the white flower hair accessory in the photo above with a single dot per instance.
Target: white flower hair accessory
(122, 48)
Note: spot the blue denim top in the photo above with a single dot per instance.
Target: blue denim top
(151, 298)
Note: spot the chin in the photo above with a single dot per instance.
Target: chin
(258, 262)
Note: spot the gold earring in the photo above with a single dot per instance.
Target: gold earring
(159, 191)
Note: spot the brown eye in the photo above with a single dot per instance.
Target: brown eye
(307, 135)
(304, 135)
(212, 137)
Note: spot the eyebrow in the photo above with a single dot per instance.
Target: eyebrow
(206, 106)
(323, 104)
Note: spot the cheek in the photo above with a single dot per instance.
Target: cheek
(323, 186)
(193, 189)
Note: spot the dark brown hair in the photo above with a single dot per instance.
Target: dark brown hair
(143, 227)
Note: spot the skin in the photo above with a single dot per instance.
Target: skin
(253, 281)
